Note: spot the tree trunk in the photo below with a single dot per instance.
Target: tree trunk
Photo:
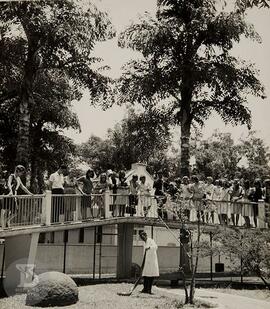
(22, 156)
(195, 266)
(26, 92)
(185, 155)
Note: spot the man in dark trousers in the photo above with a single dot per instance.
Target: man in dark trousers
(150, 266)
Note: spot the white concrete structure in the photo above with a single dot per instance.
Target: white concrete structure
(140, 170)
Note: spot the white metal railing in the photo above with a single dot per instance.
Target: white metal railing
(21, 210)
(75, 207)
(50, 209)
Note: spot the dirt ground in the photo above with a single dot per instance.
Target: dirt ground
(104, 296)
(255, 294)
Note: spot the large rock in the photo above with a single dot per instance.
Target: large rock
(52, 289)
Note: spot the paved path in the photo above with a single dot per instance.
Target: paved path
(226, 301)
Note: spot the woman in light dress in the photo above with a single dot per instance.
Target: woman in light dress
(210, 206)
(236, 194)
(247, 209)
(122, 198)
(197, 191)
(224, 207)
(98, 199)
(145, 201)
(70, 188)
(185, 197)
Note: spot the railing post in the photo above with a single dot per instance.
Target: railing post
(261, 220)
(77, 214)
(47, 207)
(107, 204)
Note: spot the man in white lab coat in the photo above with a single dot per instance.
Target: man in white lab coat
(150, 264)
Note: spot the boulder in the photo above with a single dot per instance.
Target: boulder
(135, 270)
(52, 289)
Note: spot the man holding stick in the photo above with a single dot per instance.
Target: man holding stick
(150, 266)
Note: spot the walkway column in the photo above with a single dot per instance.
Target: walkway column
(124, 250)
(20, 257)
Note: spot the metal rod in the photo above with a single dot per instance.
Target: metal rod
(3, 263)
(211, 256)
(99, 262)
(94, 259)
(65, 250)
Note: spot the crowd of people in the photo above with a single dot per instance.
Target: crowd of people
(214, 201)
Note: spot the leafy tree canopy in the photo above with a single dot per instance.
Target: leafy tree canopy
(45, 42)
(187, 61)
(219, 156)
(140, 137)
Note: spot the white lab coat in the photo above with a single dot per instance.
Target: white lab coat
(151, 261)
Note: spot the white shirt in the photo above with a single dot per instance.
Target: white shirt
(57, 180)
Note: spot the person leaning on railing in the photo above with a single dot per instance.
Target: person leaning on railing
(14, 183)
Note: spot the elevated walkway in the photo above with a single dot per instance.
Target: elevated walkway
(23, 218)
(26, 214)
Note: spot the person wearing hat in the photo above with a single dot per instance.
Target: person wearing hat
(150, 265)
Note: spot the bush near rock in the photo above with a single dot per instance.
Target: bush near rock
(52, 289)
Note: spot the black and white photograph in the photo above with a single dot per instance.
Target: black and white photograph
(135, 154)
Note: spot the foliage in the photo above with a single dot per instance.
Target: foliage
(187, 61)
(251, 246)
(96, 152)
(41, 39)
(257, 154)
(219, 156)
(247, 4)
(139, 137)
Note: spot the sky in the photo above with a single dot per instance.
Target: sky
(95, 121)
